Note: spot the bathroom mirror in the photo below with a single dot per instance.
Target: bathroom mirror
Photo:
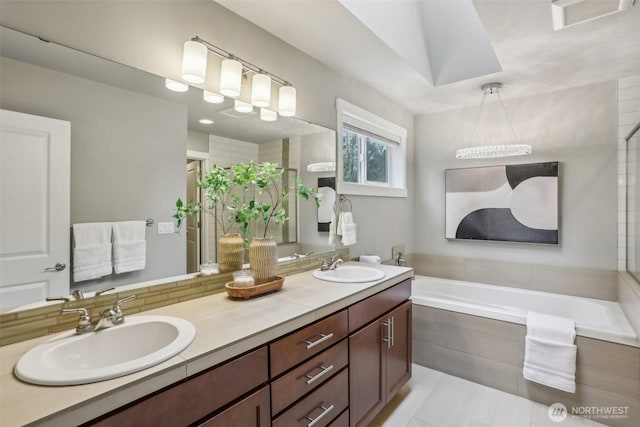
(633, 201)
(131, 138)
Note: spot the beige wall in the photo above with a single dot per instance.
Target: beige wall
(576, 127)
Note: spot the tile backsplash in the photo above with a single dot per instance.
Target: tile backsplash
(27, 324)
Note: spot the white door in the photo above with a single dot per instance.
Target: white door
(35, 160)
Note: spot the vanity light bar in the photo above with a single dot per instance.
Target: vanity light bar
(194, 63)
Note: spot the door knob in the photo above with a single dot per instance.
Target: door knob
(58, 267)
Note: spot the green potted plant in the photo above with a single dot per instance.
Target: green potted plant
(264, 194)
(267, 208)
(221, 202)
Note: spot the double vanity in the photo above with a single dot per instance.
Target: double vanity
(322, 351)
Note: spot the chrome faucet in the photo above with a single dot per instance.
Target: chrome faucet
(335, 262)
(110, 317)
(297, 255)
(399, 260)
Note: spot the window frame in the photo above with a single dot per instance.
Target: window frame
(388, 133)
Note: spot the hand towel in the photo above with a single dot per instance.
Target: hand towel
(91, 251)
(349, 229)
(129, 246)
(550, 355)
(339, 224)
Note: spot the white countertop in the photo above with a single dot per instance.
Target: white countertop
(225, 328)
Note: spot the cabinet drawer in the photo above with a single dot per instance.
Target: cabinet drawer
(308, 376)
(321, 406)
(376, 305)
(299, 346)
(252, 411)
(196, 397)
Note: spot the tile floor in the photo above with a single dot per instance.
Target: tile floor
(434, 399)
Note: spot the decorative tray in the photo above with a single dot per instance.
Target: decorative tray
(253, 291)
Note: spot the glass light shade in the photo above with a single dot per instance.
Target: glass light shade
(176, 86)
(212, 97)
(268, 115)
(206, 121)
(230, 78)
(242, 107)
(194, 62)
(261, 90)
(287, 101)
(493, 151)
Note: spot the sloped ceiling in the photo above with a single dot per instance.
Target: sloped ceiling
(534, 58)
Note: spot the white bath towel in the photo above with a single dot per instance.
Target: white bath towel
(129, 246)
(550, 353)
(91, 251)
(349, 229)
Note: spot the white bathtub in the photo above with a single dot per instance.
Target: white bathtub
(594, 318)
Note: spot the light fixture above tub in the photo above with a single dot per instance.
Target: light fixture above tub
(206, 121)
(194, 63)
(321, 167)
(567, 13)
(492, 151)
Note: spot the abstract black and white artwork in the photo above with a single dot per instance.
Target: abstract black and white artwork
(515, 203)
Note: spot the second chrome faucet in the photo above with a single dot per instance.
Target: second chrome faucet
(110, 317)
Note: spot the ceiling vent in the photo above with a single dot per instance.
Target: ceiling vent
(567, 13)
(231, 112)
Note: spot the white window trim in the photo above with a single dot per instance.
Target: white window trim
(357, 116)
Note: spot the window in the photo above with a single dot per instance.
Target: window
(371, 154)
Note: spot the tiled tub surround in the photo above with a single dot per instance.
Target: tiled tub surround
(225, 329)
(491, 352)
(629, 299)
(581, 282)
(27, 324)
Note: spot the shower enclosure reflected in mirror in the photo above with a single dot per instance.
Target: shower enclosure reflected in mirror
(633, 202)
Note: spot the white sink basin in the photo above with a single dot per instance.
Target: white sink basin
(139, 343)
(350, 274)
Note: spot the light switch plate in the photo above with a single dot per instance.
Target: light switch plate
(166, 228)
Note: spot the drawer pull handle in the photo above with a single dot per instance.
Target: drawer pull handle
(324, 370)
(389, 338)
(323, 338)
(325, 411)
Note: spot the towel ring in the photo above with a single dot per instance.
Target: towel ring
(343, 200)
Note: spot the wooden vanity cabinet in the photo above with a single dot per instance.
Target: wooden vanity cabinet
(309, 374)
(379, 351)
(336, 372)
(197, 398)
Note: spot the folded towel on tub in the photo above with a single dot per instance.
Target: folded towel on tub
(550, 353)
